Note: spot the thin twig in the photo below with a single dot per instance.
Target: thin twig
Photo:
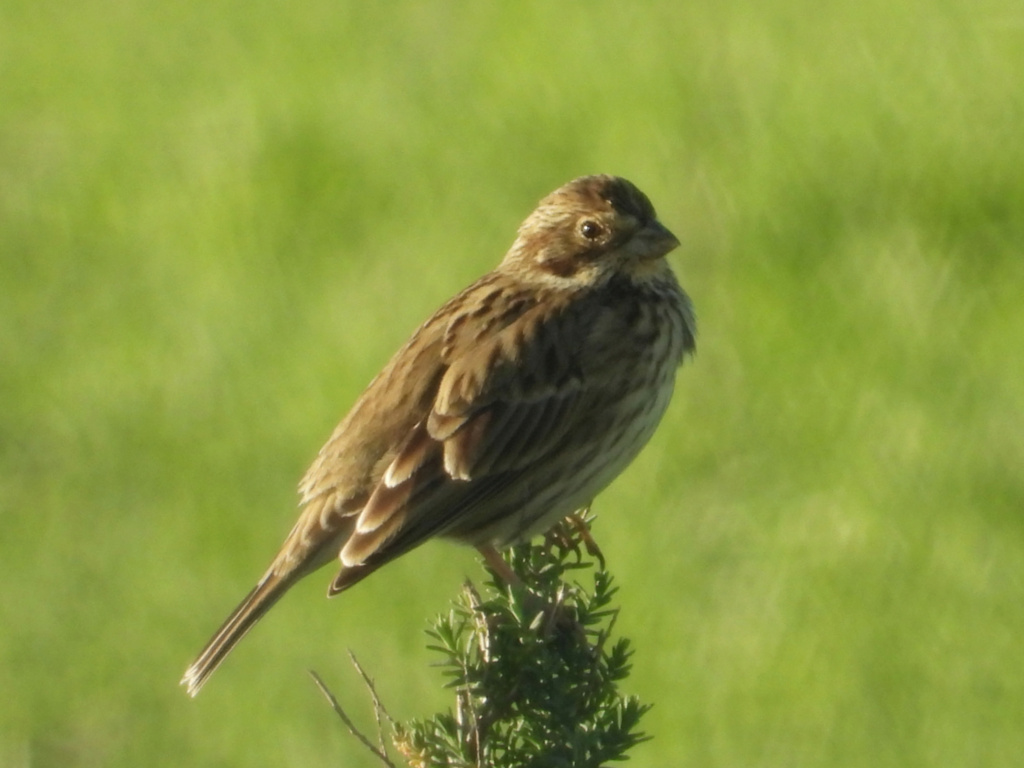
(378, 706)
(381, 755)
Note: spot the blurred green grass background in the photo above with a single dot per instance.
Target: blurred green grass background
(217, 221)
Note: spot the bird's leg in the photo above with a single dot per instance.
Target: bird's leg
(572, 531)
(578, 520)
(497, 564)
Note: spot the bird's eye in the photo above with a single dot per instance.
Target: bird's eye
(591, 229)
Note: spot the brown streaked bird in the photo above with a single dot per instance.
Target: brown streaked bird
(511, 407)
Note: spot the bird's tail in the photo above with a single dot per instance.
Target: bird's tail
(242, 619)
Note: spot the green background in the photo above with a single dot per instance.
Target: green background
(218, 220)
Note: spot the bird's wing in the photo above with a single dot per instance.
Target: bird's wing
(510, 393)
(507, 401)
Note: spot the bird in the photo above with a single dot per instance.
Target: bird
(511, 407)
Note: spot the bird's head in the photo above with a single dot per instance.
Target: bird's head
(589, 230)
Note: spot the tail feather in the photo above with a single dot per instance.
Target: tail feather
(262, 598)
(350, 575)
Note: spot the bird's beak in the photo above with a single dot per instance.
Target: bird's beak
(654, 241)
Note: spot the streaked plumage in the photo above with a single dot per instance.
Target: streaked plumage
(512, 406)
